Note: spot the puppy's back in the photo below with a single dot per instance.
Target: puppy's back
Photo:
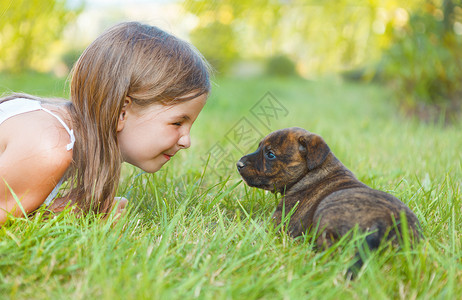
(367, 208)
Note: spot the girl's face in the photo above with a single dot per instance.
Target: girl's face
(148, 137)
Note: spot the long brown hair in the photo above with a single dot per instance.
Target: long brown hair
(130, 59)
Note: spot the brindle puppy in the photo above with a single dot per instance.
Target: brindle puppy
(328, 196)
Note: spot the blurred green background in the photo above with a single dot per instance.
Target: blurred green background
(413, 48)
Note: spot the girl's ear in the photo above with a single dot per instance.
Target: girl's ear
(123, 114)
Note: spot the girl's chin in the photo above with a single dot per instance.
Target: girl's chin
(153, 165)
(151, 169)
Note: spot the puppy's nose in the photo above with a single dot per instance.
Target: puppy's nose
(240, 165)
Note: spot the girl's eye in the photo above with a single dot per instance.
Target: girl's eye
(177, 124)
(270, 155)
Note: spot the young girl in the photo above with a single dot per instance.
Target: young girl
(135, 93)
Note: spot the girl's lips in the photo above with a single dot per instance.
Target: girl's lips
(167, 156)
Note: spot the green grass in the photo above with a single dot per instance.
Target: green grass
(33, 83)
(198, 232)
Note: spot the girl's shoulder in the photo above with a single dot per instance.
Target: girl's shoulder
(36, 134)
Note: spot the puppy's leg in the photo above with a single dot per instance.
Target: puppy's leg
(326, 239)
(372, 242)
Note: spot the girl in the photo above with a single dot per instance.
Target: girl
(135, 93)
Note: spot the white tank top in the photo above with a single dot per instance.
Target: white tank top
(18, 106)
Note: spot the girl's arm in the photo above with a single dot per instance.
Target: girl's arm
(118, 204)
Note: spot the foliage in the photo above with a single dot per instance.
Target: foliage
(227, 29)
(29, 28)
(321, 37)
(217, 42)
(190, 234)
(280, 65)
(424, 64)
(71, 56)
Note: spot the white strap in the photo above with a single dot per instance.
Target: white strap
(70, 131)
(53, 193)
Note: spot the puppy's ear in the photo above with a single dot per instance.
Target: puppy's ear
(315, 150)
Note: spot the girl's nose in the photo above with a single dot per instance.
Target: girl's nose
(185, 141)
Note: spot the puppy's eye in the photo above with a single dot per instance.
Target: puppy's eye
(270, 155)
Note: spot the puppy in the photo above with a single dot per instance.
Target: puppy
(327, 195)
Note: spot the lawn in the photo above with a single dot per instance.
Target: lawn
(194, 230)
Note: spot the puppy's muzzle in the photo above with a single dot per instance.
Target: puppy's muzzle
(240, 165)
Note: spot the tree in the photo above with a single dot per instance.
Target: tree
(424, 62)
(320, 36)
(29, 27)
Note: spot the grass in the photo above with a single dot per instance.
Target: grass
(33, 83)
(194, 230)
